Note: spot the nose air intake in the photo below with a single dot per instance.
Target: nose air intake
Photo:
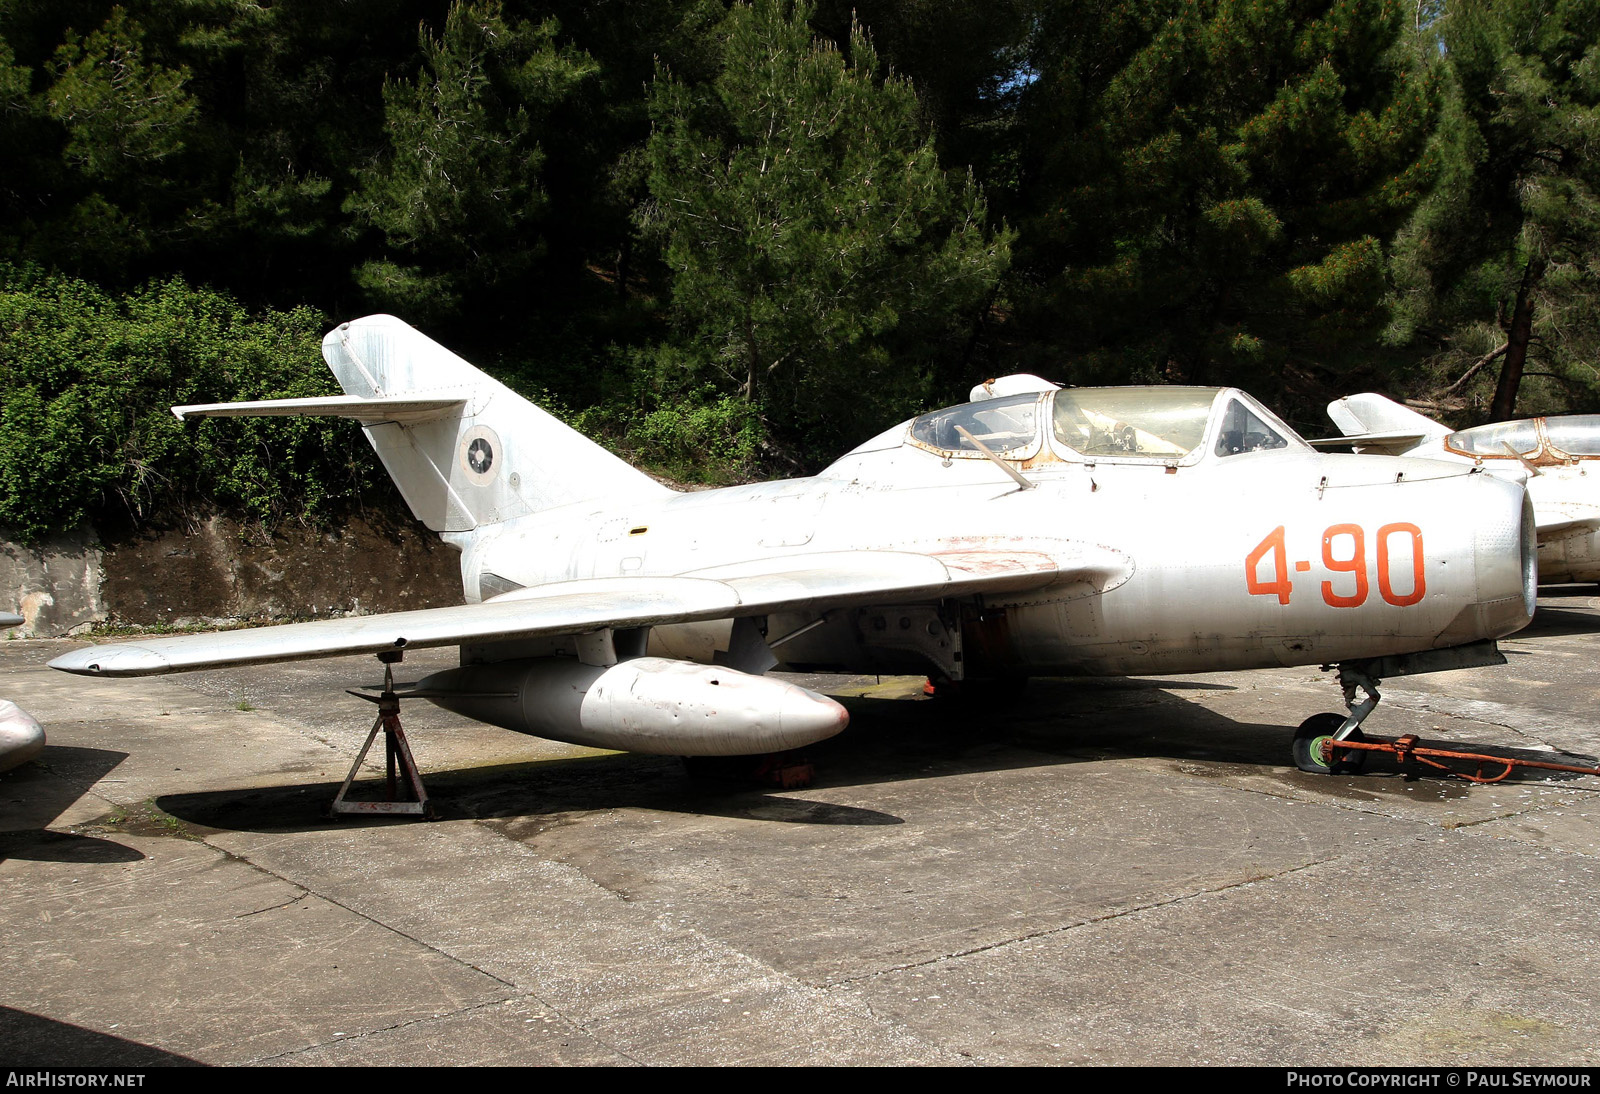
(1508, 570)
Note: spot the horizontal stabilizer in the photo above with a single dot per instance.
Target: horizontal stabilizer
(373, 411)
(1384, 444)
(796, 583)
(464, 450)
(1375, 423)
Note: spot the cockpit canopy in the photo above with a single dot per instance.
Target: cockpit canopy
(1559, 439)
(1168, 424)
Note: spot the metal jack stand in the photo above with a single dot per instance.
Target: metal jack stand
(400, 761)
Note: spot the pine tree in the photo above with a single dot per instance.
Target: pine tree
(1212, 184)
(1506, 257)
(458, 201)
(95, 159)
(822, 263)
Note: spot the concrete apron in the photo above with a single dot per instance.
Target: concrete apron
(1097, 872)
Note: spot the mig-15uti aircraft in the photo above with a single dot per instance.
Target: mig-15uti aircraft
(1557, 457)
(1036, 530)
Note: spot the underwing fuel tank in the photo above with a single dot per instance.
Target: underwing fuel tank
(647, 704)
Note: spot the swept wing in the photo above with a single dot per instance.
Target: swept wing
(796, 583)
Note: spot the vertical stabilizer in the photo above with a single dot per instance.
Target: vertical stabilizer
(494, 457)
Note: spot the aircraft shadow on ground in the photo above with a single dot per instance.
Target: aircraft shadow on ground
(1076, 720)
(1563, 591)
(34, 1041)
(40, 791)
(43, 845)
(1554, 622)
(1053, 723)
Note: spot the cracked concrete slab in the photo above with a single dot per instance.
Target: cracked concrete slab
(1451, 948)
(978, 858)
(653, 989)
(520, 1032)
(209, 957)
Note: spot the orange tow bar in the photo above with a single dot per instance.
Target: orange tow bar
(1408, 748)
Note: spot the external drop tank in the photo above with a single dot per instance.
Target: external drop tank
(647, 704)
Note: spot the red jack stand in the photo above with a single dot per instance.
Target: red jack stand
(400, 763)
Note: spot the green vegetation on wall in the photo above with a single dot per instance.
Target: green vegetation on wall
(85, 429)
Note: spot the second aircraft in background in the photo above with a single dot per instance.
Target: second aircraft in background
(1557, 457)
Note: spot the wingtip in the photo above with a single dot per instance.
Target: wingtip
(111, 661)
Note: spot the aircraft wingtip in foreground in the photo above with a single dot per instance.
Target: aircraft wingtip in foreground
(1036, 530)
(1557, 457)
(21, 737)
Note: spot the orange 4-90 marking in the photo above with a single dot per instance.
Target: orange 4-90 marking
(1344, 552)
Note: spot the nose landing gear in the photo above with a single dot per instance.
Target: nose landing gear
(1316, 743)
(1315, 747)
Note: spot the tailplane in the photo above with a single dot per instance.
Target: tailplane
(1374, 423)
(464, 449)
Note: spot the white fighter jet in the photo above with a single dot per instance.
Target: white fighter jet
(1033, 531)
(1557, 457)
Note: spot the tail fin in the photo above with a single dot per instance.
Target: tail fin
(464, 449)
(1378, 424)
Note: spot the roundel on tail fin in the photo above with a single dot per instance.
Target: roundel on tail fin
(480, 454)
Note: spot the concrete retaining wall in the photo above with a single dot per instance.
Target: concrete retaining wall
(54, 587)
(224, 572)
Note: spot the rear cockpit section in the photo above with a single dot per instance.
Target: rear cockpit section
(1168, 425)
(1566, 438)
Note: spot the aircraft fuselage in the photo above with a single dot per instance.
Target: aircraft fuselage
(1263, 559)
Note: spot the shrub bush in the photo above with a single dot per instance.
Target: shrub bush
(86, 383)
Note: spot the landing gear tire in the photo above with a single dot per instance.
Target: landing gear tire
(1308, 741)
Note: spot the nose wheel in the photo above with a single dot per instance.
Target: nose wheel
(1316, 748)
(1316, 743)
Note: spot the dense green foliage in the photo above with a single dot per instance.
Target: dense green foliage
(1503, 264)
(1221, 184)
(736, 236)
(457, 195)
(88, 378)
